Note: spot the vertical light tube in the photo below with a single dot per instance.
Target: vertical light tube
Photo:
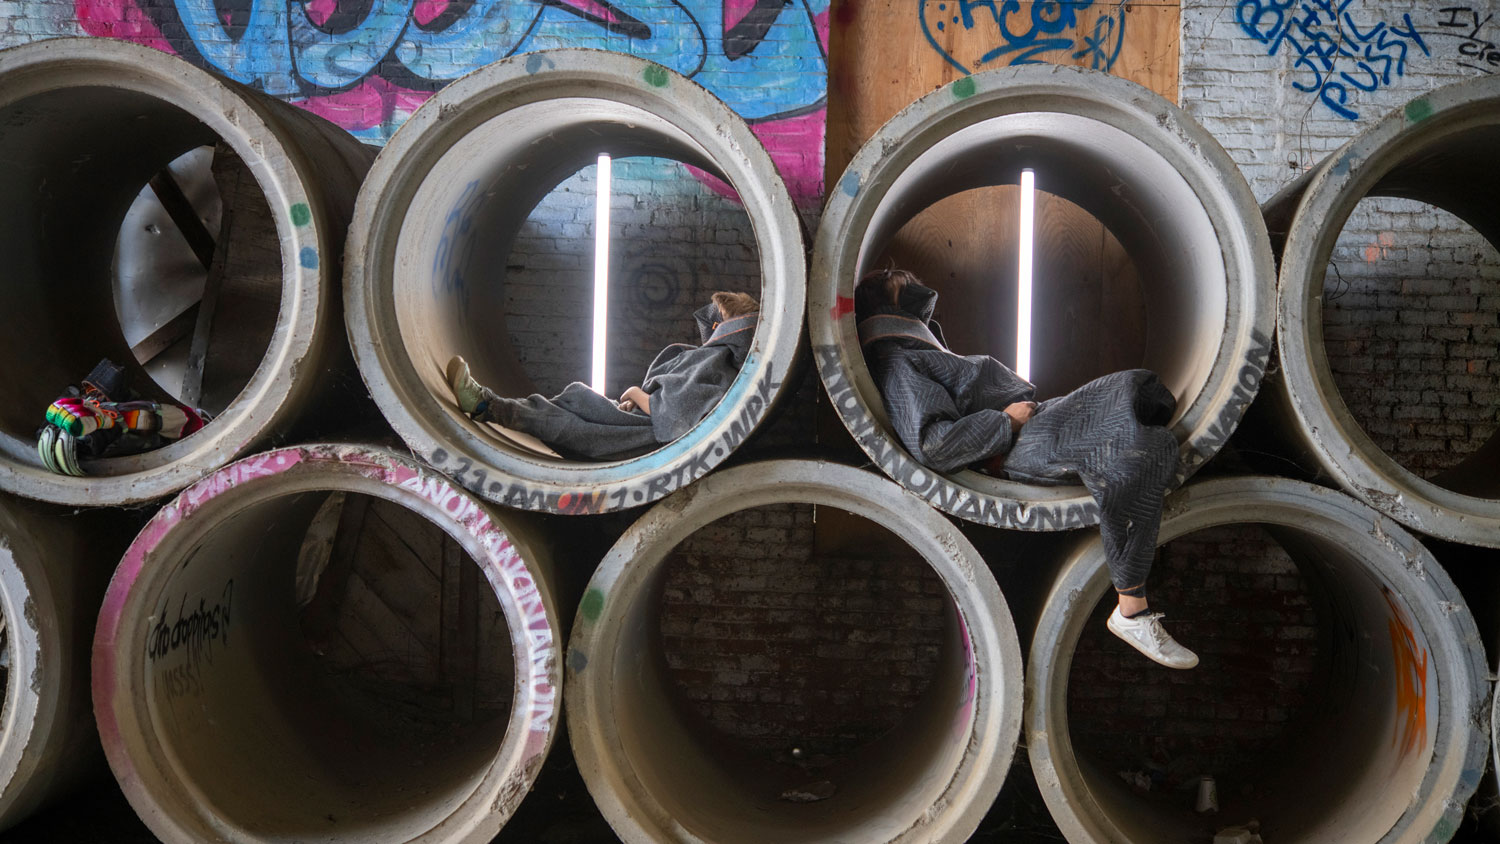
(601, 270)
(1023, 309)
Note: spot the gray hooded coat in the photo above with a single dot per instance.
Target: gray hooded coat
(685, 382)
(948, 411)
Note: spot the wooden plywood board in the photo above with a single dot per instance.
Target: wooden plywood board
(883, 55)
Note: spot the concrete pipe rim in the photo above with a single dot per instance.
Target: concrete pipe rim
(31, 643)
(1460, 749)
(282, 174)
(1339, 442)
(669, 109)
(624, 576)
(152, 777)
(1074, 96)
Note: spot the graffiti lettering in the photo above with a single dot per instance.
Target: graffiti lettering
(696, 463)
(543, 660)
(1411, 680)
(1474, 51)
(1333, 54)
(368, 64)
(196, 631)
(936, 489)
(1246, 385)
(988, 34)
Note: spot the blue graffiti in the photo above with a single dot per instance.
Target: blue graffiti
(1333, 55)
(1050, 27)
(770, 63)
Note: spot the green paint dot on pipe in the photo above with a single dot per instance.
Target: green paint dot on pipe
(964, 88)
(301, 214)
(1418, 110)
(656, 76)
(593, 604)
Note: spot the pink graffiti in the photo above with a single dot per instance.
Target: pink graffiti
(794, 143)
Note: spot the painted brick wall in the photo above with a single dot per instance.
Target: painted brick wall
(369, 75)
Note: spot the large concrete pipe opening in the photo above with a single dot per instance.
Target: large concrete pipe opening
(1176, 281)
(674, 242)
(329, 643)
(53, 570)
(446, 203)
(1434, 150)
(90, 123)
(660, 745)
(1341, 693)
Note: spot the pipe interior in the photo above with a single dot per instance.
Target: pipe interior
(780, 680)
(504, 225)
(1308, 707)
(79, 158)
(1136, 196)
(331, 667)
(160, 281)
(1088, 307)
(1411, 314)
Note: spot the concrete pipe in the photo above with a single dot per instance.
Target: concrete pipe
(1436, 149)
(89, 123)
(659, 775)
(1150, 174)
(435, 222)
(1389, 748)
(53, 570)
(260, 675)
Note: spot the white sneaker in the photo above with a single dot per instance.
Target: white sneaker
(1145, 634)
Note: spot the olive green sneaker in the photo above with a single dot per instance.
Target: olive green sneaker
(465, 389)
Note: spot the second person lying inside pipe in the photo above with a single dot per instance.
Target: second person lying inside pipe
(953, 411)
(681, 387)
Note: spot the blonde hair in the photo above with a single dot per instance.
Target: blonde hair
(733, 305)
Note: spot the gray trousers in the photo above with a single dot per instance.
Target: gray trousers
(1109, 435)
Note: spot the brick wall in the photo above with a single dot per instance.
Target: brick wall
(778, 645)
(673, 243)
(1234, 596)
(1412, 325)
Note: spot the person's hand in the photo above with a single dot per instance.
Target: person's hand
(1020, 413)
(634, 398)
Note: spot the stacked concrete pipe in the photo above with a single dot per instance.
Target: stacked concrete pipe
(435, 222)
(216, 719)
(88, 123)
(1392, 751)
(53, 570)
(1439, 149)
(1146, 170)
(658, 778)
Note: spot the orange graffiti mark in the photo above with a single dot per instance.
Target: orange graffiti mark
(1411, 681)
(1381, 248)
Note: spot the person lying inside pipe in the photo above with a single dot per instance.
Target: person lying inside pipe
(680, 388)
(104, 418)
(953, 411)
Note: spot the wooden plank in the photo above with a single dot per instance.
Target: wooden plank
(166, 336)
(319, 618)
(176, 204)
(192, 376)
(869, 85)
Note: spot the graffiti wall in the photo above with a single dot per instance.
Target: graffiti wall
(367, 64)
